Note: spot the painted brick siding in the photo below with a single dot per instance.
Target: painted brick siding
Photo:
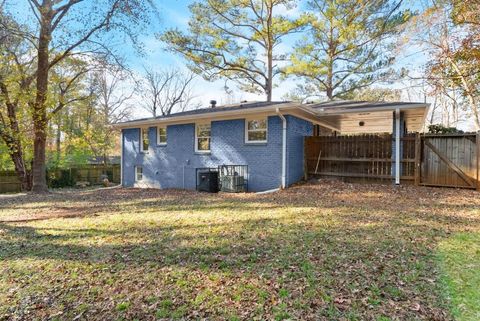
(297, 129)
(173, 165)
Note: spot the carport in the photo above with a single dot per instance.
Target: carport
(372, 137)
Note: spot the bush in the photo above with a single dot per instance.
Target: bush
(441, 129)
(61, 178)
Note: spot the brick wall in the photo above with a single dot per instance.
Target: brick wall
(297, 129)
(173, 165)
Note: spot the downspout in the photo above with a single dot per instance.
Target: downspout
(284, 148)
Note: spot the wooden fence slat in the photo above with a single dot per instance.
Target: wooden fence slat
(478, 160)
(418, 153)
(454, 160)
(449, 163)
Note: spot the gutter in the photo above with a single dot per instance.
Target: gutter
(284, 148)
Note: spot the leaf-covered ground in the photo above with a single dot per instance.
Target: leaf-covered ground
(327, 251)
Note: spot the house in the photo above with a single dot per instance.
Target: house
(268, 137)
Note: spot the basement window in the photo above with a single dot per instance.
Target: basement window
(256, 130)
(202, 138)
(162, 136)
(145, 143)
(138, 173)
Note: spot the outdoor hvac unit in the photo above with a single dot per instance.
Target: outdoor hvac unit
(233, 178)
(207, 180)
(232, 183)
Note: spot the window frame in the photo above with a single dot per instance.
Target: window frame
(247, 130)
(136, 173)
(197, 125)
(159, 143)
(142, 130)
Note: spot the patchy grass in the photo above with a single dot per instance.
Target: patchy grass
(460, 260)
(330, 251)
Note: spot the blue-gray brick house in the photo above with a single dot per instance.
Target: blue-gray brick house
(164, 152)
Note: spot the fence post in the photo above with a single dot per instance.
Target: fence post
(305, 159)
(478, 160)
(418, 158)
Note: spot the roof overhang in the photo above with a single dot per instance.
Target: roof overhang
(375, 118)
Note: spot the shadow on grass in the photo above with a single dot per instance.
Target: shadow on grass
(321, 254)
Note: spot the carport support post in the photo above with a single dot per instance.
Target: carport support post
(397, 146)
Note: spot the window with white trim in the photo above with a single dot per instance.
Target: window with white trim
(145, 142)
(202, 138)
(138, 173)
(161, 135)
(256, 130)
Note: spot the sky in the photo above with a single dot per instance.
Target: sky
(175, 14)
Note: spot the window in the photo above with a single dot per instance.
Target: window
(145, 142)
(162, 135)
(256, 130)
(202, 138)
(138, 173)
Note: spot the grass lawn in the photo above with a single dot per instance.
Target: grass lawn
(329, 251)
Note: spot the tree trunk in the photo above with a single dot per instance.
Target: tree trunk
(468, 92)
(269, 80)
(11, 137)
(16, 154)
(331, 48)
(21, 170)
(39, 109)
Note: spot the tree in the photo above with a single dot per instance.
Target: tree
(73, 28)
(109, 106)
(444, 31)
(376, 94)
(15, 85)
(348, 46)
(167, 90)
(237, 40)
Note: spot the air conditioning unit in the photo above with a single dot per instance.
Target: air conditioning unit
(232, 183)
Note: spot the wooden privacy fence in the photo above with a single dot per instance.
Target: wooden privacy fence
(93, 174)
(450, 160)
(433, 160)
(9, 182)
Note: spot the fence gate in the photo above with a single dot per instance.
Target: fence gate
(450, 160)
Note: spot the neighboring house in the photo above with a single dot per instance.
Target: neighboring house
(164, 152)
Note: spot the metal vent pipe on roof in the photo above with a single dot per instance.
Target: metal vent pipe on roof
(213, 103)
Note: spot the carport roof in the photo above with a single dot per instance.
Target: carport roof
(343, 106)
(353, 117)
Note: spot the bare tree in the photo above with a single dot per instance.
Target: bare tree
(166, 91)
(110, 85)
